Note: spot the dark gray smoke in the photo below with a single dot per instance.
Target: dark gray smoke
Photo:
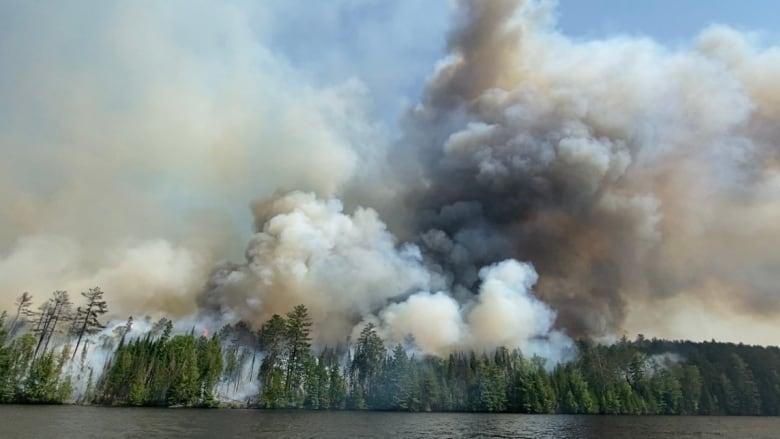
(623, 171)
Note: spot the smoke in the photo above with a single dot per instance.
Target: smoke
(348, 267)
(154, 275)
(504, 312)
(309, 251)
(626, 172)
(133, 136)
(540, 188)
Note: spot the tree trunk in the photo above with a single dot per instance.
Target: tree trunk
(83, 328)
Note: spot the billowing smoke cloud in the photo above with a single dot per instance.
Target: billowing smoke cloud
(624, 171)
(541, 188)
(348, 267)
(309, 251)
(503, 313)
(133, 136)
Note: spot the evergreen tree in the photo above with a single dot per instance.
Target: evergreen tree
(22, 304)
(367, 364)
(337, 391)
(746, 399)
(87, 317)
(55, 311)
(185, 388)
(209, 367)
(273, 343)
(298, 353)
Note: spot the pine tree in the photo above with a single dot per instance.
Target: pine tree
(22, 303)
(273, 341)
(56, 310)
(210, 368)
(87, 317)
(367, 364)
(337, 392)
(298, 349)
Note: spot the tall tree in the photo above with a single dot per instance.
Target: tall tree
(370, 354)
(747, 398)
(87, 316)
(22, 304)
(57, 309)
(272, 340)
(298, 347)
(209, 367)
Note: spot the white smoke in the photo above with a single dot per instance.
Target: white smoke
(341, 266)
(153, 277)
(503, 313)
(133, 136)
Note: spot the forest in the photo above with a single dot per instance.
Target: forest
(60, 355)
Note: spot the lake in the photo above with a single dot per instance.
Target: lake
(101, 422)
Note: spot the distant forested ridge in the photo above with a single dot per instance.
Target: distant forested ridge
(61, 355)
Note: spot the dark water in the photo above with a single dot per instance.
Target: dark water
(98, 422)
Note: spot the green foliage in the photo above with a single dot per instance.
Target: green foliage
(367, 364)
(15, 359)
(86, 320)
(273, 342)
(178, 370)
(298, 349)
(162, 369)
(43, 384)
(337, 391)
(209, 368)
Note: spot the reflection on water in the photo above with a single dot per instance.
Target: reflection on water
(100, 422)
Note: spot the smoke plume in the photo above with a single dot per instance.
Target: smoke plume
(625, 172)
(133, 136)
(309, 251)
(347, 267)
(540, 188)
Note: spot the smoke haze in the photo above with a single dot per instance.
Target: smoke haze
(540, 188)
(133, 136)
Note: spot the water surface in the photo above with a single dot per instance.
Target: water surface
(102, 422)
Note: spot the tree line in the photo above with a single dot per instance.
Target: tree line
(31, 365)
(276, 367)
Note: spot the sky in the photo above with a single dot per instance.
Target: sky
(674, 22)
(134, 136)
(336, 43)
